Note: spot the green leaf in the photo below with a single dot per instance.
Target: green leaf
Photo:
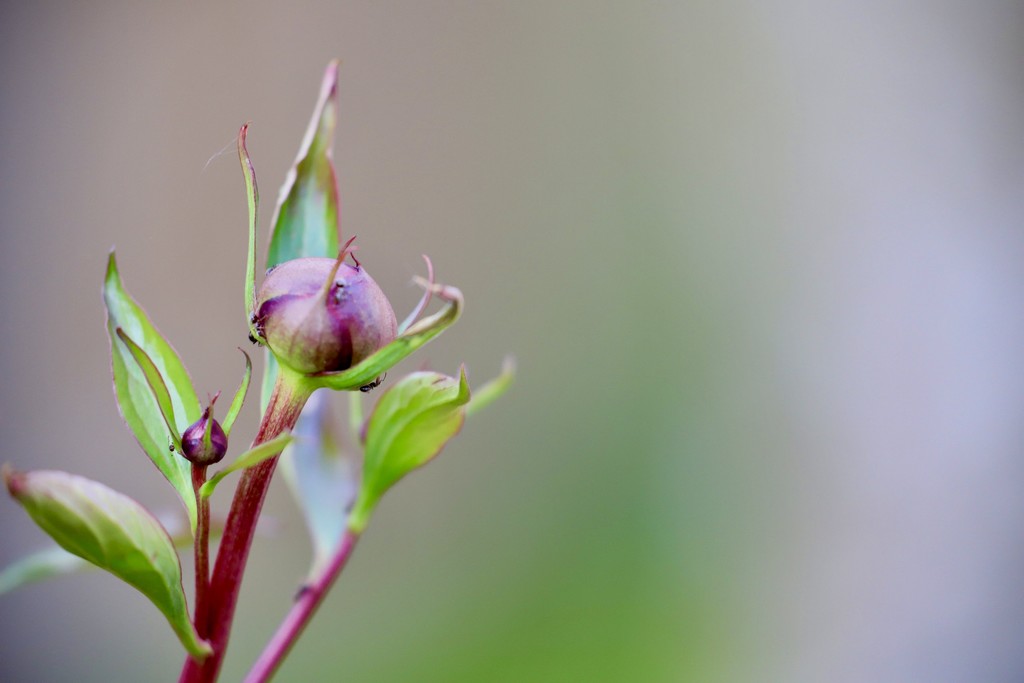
(412, 422)
(139, 406)
(321, 477)
(252, 195)
(253, 456)
(156, 385)
(55, 561)
(239, 399)
(113, 532)
(413, 338)
(38, 566)
(488, 393)
(306, 219)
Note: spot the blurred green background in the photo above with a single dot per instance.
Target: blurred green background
(760, 264)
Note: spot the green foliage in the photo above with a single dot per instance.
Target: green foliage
(306, 219)
(488, 393)
(239, 399)
(252, 196)
(135, 395)
(38, 566)
(253, 456)
(55, 561)
(409, 426)
(115, 533)
(156, 385)
(412, 422)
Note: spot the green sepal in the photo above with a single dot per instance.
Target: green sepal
(306, 218)
(239, 399)
(135, 398)
(253, 456)
(488, 393)
(413, 338)
(156, 385)
(322, 479)
(412, 422)
(252, 196)
(115, 533)
(208, 431)
(424, 300)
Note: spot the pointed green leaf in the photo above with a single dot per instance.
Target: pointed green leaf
(156, 385)
(239, 399)
(413, 338)
(306, 219)
(253, 456)
(55, 561)
(113, 532)
(252, 195)
(412, 422)
(135, 397)
(321, 477)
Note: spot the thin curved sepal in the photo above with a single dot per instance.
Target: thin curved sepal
(254, 456)
(413, 338)
(239, 399)
(252, 195)
(208, 430)
(424, 300)
(306, 218)
(156, 385)
(488, 393)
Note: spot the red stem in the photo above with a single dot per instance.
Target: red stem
(300, 614)
(286, 403)
(202, 550)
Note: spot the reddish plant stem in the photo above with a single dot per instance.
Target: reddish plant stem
(202, 549)
(289, 396)
(302, 611)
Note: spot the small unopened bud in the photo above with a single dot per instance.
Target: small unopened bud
(322, 315)
(195, 446)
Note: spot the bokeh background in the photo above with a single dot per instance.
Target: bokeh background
(760, 264)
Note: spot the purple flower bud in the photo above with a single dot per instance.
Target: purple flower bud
(194, 446)
(319, 315)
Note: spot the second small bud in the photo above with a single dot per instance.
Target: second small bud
(199, 450)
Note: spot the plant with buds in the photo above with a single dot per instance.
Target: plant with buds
(325, 324)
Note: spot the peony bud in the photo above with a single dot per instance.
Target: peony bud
(321, 315)
(195, 447)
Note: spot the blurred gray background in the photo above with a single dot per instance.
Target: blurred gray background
(760, 264)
